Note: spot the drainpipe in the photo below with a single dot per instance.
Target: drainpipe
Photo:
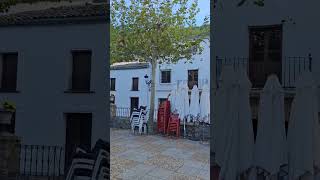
(310, 62)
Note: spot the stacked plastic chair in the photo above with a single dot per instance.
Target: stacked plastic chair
(163, 116)
(174, 124)
(93, 165)
(138, 119)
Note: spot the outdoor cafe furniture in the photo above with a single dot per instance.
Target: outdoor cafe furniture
(163, 116)
(138, 119)
(91, 165)
(174, 124)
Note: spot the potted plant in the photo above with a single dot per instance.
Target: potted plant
(6, 116)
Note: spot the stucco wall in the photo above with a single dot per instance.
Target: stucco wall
(44, 69)
(300, 30)
(230, 31)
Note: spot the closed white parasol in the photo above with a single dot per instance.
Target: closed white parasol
(233, 133)
(304, 129)
(194, 103)
(271, 145)
(205, 104)
(173, 100)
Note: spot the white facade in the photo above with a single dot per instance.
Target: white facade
(300, 33)
(123, 85)
(43, 76)
(299, 30)
(179, 72)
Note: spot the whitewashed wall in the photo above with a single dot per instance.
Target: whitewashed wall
(179, 71)
(44, 66)
(123, 91)
(300, 35)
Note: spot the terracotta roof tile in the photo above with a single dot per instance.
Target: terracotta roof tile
(58, 15)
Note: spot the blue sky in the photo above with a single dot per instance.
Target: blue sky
(204, 6)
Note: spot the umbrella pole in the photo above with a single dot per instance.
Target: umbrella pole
(184, 127)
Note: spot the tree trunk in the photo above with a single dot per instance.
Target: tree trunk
(153, 91)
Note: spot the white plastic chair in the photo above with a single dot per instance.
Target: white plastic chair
(88, 164)
(139, 119)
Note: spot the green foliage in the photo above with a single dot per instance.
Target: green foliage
(155, 30)
(9, 106)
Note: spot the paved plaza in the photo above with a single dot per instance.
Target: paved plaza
(153, 157)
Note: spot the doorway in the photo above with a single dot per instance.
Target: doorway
(78, 134)
(265, 53)
(134, 104)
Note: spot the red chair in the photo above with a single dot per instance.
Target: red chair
(163, 116)
(174, 125)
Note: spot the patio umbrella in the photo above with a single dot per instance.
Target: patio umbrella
(182, 102)
(233, 133)
(172, 99)
(304, 129)
(205, 104)
(194, 103)
(271, 147)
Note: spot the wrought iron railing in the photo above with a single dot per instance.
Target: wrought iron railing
(287, 71)
(123, 112)
(200, 83)
(38, 160)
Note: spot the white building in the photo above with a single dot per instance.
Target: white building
(280, 37)
(53, 65)
(168, 76)
(276, 38)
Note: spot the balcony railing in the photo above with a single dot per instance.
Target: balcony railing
(200, 83)
(288, 70)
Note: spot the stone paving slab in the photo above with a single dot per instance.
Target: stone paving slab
(150, 157)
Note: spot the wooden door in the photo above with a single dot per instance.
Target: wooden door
(78, 134)
(134, 103)
(265, 53)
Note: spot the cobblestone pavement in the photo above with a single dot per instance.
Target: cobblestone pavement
(153, 157)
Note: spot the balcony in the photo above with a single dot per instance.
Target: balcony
(288, 70)
(200, 83)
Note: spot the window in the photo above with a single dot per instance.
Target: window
(135, 84)
(192, 78)
(166, 76)
(113, 84)
(161, 100)
(81, 70)
(9, 71)
(134, 103)
(265, 53)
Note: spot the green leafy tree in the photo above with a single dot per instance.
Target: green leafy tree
(155, 31)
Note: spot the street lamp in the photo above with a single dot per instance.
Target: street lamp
(147, 80)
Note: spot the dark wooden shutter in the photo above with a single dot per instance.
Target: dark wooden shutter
(135, 84)
(265, 53)
(113, 84)
(165, 76)
(192, 78)
(81, 71)
(9, 71)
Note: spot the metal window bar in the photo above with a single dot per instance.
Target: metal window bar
(292, 67)
(40, 160)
